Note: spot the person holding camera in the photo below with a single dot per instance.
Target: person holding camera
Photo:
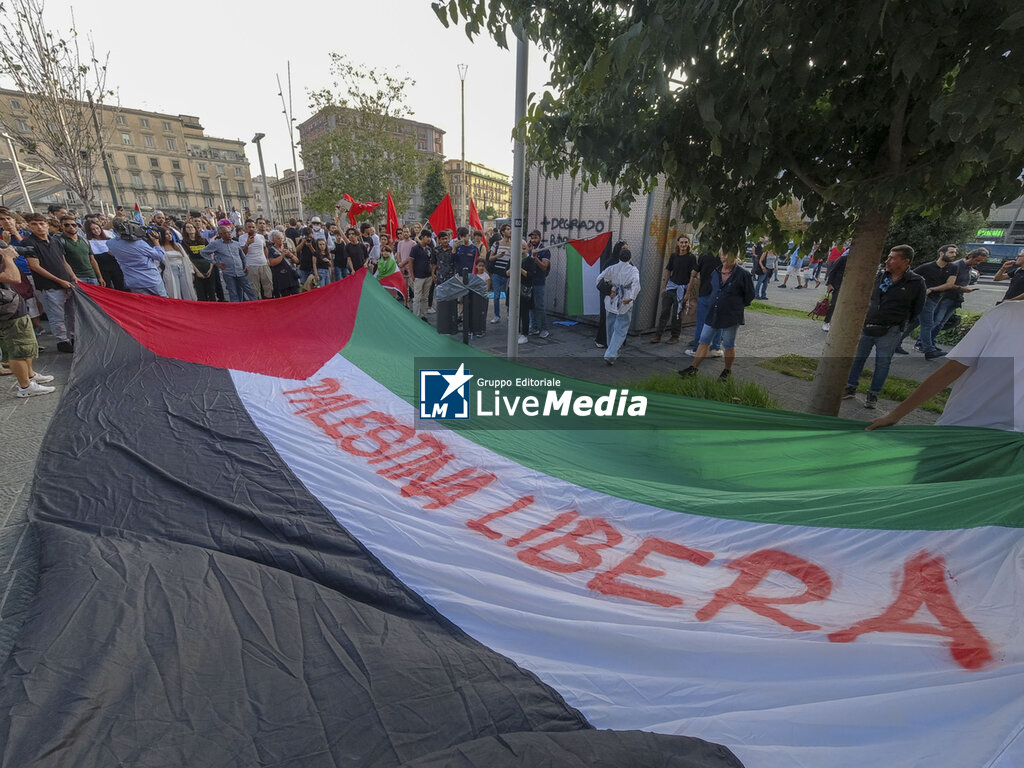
(139, 255)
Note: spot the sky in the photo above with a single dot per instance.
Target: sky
(220, 62)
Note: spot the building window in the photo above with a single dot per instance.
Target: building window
(136, 181)
(208, 202)
(182, 201)
(171, 146)
(23, 126)
(142, 198)
(241, 188)
(175, 165)
(126, 139)
(144, 122)
(149, 142)
(158, 182)
(201, 167)
(15, 104)
(220, 170)
(163, 201)
(154, 162)
(121, 120)
(206, 185)
(167, 125)
(179, 185)
(238, 171)
(132, 160)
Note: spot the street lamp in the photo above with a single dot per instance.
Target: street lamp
(464, 206)
(263, 172)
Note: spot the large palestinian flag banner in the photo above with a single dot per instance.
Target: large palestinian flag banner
(255, 552)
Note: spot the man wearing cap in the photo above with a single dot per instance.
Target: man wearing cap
(226, 253)
(542, 257)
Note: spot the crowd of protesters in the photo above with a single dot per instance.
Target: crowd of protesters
(213, 256)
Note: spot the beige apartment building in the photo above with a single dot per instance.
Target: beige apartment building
(484, 186)
(158, 161)
(429, 139)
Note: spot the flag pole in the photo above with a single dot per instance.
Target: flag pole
(518, 188)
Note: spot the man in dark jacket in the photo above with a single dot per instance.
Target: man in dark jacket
(896, 299)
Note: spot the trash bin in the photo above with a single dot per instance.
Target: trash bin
(447, 315)
(477, 312)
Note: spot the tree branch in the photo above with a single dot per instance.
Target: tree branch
(795, 167)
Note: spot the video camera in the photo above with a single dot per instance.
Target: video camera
(127, 229)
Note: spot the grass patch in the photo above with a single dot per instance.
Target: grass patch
(896, 387)
(709, 388)
(770, 309)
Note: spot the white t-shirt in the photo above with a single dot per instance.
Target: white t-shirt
(990, 393)
(256, 256)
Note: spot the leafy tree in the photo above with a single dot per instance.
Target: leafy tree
(929, 233)
(434, 189)
(364, 151)
(58, 83)
(487, 213)
(856, 109)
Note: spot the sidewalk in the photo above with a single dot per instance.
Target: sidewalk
(22, 426)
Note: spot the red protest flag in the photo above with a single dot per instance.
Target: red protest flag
(474, 217)
(358, 208)
(391, 227)
(443, 216)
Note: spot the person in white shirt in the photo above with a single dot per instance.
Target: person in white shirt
(372, 241)
(986, 371)
(254, 248)
(618, 303)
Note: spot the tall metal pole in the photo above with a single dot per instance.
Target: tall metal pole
(103, 154)
(263, 174)
(463, 205)
(280, 201)
(518, 188)
(291, 134)
(223, 202)
(17, 170)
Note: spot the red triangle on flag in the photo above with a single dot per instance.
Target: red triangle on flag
(592, 248)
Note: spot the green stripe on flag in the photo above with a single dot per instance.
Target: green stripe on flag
(727, 461)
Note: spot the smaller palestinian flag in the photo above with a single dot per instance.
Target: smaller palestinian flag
(582, 266)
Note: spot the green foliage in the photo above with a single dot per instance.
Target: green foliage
(731, 390)
(927, 233)
(364, 151)
(771, 309)
(488, 213)
(849, 108)
(895, 388)
(58, 78)
(953, 336)
(434, 189)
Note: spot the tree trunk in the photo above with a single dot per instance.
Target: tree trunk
(861, 266)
